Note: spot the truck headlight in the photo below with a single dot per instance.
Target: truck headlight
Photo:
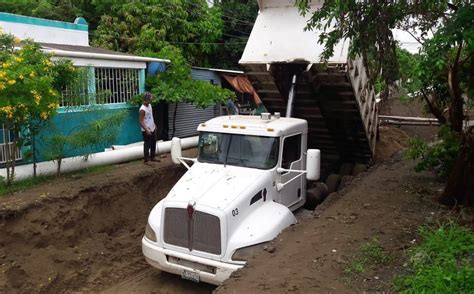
(245, 253)
(149, 233)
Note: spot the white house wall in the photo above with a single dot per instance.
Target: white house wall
(46, 31)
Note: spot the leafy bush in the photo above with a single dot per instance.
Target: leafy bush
(440, 156)
(441, 263)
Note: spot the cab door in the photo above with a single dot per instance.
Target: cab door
(291, 158)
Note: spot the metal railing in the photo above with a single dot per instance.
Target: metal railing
(7, 145)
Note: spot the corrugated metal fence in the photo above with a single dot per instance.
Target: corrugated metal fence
(188, 117)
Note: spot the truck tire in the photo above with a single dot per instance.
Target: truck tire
(345, 180)
(359, 168)
(332, 182)
(346, 169)
(323, 189)
(313, 198)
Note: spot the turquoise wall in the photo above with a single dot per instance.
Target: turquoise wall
(64, 123)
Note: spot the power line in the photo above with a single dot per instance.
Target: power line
(227, 16)
(238, 20)
(201, 14)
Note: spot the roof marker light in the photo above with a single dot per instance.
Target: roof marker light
(225, 126)
(270, 129)
(233, 126)
(243, 127)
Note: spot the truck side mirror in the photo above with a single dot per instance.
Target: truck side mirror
(176, 150)
(313, 164)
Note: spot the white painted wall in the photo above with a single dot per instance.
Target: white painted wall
(46, 34)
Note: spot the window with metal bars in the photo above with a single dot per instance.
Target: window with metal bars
(77, 94)
(111, 86)
(118, 85)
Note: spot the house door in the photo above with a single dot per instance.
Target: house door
(291, 159)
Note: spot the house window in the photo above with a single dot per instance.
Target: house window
(77, 94)
(291, 150)
(102, 85)
(116, 85)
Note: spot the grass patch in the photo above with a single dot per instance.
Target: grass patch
(22, 185)
(370, 254)
(94, 170)
(442, 263)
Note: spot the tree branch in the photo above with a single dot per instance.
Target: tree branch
(434, 109)
(414, 37)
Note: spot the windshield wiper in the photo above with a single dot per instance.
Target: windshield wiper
(227, 152)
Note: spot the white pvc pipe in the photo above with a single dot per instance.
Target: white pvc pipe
(71, 164)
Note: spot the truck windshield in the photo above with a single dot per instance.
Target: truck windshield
(240, 150)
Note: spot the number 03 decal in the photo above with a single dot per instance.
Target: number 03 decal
(235, 212)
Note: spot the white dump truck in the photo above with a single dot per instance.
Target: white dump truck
(239, 194)
(250, 173)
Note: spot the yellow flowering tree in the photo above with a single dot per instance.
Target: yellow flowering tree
(30, 85)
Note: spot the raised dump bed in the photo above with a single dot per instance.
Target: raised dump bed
(335, 98)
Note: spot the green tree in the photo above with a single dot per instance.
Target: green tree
(213, 37)
(29, 89)
(150, 25)
(176, 85)
(443, 72)
(238, 17)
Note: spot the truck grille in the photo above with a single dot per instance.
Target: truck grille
(202, 232)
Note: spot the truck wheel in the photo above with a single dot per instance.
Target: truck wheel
(359, 168)
(345, 180)
(323, 189)
(332, 182)
(346, 169)
(313, 198)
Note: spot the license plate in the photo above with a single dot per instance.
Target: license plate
(188, 275)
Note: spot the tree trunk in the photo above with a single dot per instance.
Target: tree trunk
(58, 167)
(434, 108)
(6, 141)
(33, 147)
(8, 154)
(456, 115)
(459, 189)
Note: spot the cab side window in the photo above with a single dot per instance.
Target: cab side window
(291, 150)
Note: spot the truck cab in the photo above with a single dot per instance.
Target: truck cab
(249, 176)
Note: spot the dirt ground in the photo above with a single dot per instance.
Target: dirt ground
(385, 205)
(82, 233)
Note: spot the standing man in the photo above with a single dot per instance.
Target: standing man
(148, 128)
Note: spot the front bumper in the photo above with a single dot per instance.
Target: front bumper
(161, 258)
